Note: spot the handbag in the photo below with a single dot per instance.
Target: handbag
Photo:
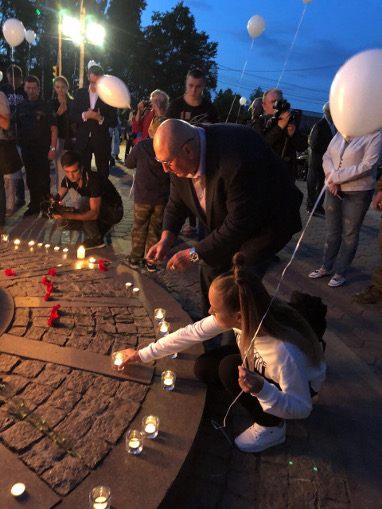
(10, 161)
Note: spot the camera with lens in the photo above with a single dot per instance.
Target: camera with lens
(280, 106)
(53, 206)
(146, 105)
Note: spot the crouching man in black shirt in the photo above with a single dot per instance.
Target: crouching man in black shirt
(100, 206)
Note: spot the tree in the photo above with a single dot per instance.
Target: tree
(226, 102)
(170, 48)
(256, 93)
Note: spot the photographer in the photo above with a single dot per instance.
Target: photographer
(279, 126)
(147, 110)
(100, 206)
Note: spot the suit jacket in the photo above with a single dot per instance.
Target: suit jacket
(319, 140)
(100, 133)
(251, 204)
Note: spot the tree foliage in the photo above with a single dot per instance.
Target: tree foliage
(157, 56)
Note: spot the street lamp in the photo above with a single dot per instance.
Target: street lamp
(75, 30)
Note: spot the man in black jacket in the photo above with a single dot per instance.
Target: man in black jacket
(231, 179)
(319, 139)
(93, 118)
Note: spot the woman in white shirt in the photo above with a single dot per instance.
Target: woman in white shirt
(350, 167)
(277, 372)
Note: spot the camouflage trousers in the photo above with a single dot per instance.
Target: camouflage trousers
(147, 228)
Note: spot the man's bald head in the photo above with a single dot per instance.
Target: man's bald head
(177, 146)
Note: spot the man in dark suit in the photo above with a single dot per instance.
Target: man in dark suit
(93, 118)
(233, 181)
(319, 139)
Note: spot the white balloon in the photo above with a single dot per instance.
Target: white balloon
(356, 94)
(242, 101)
(113, 91)
(1, 76)
(14, 32)
(30, 36)
(256, 26)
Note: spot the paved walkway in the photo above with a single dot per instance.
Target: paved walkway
(332, 459)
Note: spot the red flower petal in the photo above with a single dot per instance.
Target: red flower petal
(52, 272)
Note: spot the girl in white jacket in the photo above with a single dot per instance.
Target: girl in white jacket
(278, 368)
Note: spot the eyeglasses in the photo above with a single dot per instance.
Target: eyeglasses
(167, 163)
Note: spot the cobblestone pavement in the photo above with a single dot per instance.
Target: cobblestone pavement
(321, 464)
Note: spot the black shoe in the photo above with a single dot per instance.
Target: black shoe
(150, 267)
(94, 243)
(133, 263)
(31, 212)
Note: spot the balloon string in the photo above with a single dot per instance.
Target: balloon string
(241, 77)
(274, 296)
(291, 46)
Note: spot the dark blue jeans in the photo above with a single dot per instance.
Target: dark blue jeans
(344, 219)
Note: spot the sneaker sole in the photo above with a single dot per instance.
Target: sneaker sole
(318, 275)
(249, 448)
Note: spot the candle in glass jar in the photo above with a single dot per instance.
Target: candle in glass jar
(56, 248)
(40, 244)
(150, 425)
(100, 498)
(117, 359)
(128, 285)
(81, 252)
(135, 291)
(164, 328)
(92, 262)
(134, 441)
(17, 243)
(18, 489)
(168, 380)
(159, 314)
(4, 237)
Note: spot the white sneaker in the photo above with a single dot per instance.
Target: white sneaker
(336, 281)
(258, 438)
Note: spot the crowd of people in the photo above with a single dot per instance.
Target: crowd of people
(238, 182)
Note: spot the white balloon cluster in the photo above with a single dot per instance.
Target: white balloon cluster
(242, 101)
(14, 33)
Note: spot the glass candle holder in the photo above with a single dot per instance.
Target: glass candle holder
(134, 441)
(40, 244)
(4, 237)
(135, 291)
(31, 244)
(100, 498)
(17, 243)
(159, 314)
(47, 246)
(56, 249)
(150, 426)
(168, 380)
(164, 328)
(117, 360)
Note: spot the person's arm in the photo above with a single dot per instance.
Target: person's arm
(4, 112)
(177, 341)
(131, 158)
(77, 108)
(63, 191)
(89, 215)
(53, 142)
(371, 156)
(137, 120)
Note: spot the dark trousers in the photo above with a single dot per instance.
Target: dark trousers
(108, 216)
(101, 155)
(147, 228)
(220, 367)
(314, 183)
(37, 170)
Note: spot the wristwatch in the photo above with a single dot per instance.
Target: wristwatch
(194, 257)
(52, 148)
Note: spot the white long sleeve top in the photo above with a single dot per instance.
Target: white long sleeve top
(354, 168)
(276, 360)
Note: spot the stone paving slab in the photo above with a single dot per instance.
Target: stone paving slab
(37, 496)
(71, 357)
